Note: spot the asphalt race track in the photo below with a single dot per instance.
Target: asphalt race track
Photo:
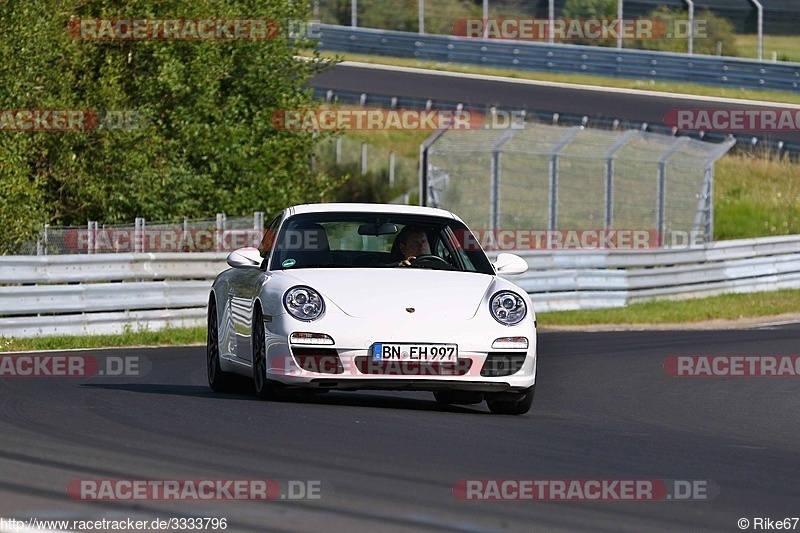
(506, 94)
(605, 409)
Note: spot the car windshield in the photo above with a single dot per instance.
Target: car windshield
(377, 240)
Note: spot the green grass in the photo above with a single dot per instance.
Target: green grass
(623, 83)
(756, 197)
(786, 46)
(726, 306)
(130, 337)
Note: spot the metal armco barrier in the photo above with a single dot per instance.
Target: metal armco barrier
(565, 58)
(100, 294)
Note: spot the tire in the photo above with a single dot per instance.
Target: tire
(218, 380)
(519, 406)
(265, 389)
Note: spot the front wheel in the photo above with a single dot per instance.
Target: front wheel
(265, 388)
(519, 406)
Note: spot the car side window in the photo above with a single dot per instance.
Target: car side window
(268, 240)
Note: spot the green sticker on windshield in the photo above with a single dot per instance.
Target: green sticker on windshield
(288, 263)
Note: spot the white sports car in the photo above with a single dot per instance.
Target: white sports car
(367, 296)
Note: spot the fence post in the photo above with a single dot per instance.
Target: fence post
(610, 155)
(41, 248)
(185, 235)
(138, 234)
(220, 230)
(391, 169)
(338, 150)
(363, 158)
(553, 171)
(661, 202)
(494, 179)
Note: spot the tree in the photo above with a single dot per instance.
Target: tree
(201, 140)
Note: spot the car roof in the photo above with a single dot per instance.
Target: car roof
(396, 209)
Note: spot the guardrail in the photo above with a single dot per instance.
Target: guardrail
(567, 280)
(101, 294)
(565, 58)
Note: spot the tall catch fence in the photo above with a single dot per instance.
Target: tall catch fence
(534, 176)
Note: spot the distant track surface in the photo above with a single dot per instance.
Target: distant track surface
(604, 408)
(634, 106)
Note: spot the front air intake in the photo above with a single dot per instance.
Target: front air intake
(502, 364)
(318, 360)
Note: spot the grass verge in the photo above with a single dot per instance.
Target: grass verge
(786, 47)
(725, 307)
(599, 81)
(128, 338)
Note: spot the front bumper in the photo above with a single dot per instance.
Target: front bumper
(347, 369)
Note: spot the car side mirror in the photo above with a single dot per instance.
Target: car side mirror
(510, 264)
(245, 258)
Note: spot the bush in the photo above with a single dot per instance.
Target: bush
(203, 143)
(590, 9)
(372, 187)
(716, 29)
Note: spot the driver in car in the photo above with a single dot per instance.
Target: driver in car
(411, 242)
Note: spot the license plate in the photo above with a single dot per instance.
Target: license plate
(384, 351)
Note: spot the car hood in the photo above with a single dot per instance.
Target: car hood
(388, 292)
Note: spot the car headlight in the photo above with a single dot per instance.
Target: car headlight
(508, 308)
(303, 303)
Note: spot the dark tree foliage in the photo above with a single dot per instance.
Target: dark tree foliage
(201, 139)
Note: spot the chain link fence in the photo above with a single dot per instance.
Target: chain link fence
(208, 235)
(348, 152)
(534, 176)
